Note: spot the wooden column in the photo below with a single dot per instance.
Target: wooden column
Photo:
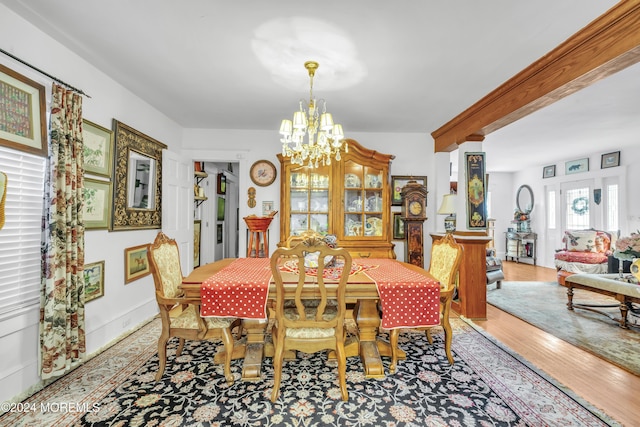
(471, 301)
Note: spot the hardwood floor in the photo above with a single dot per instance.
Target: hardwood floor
(613, 390)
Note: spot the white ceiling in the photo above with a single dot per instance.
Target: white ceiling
(385, 66)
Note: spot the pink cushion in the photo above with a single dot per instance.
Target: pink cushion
(583, 257)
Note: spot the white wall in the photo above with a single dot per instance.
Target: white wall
(413, 156)
(123, 306)
(504, 187)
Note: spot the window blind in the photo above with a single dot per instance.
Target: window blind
(21, 235)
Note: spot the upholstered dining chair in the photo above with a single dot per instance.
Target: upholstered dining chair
(309, 327)
(186, 323)
(446, 256)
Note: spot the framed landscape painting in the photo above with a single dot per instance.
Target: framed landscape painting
(398, 226)
(93, 280)
(136, 264)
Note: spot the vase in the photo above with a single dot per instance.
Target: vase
(635, 268)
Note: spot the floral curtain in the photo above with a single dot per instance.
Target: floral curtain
(62, 323)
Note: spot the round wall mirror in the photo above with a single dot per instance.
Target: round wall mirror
(524, 199)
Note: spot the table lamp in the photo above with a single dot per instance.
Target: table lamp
(448, 207)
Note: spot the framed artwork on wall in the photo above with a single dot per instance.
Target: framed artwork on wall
(549, 171)
(476, 191)
(93, 280)
(221, 202)
(98, 149)
(222, 183)
(576, 166)
(267, 208)
(136, 264)
(398, 226)
(96, 210)
(23, 123)
(610, 160)
(197, 231)
(397, 182)
(219, 231)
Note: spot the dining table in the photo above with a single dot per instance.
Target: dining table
(362, 293)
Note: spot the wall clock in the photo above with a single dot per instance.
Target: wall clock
(263, 173)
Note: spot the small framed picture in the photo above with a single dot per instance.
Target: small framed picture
(219, 231)
(221, 202)
(397, 182)
(610, 160)
(136, 264)
(267, 208)
(398, 226)
(96, 209)
(93, 281)
(23, 123)
(98, 149)
(222, 183)
(549, 171)
(576, 166)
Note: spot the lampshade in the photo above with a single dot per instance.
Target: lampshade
(448, 205)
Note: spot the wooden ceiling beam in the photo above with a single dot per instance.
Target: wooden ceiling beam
(608, 44)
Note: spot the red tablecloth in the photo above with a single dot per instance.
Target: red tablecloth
(238, 290)
(408, 299)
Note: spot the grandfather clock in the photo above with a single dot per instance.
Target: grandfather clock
(414, 201)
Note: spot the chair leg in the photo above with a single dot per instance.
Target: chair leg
(393, 338)
(277, 362)
(427, 332)
(342, 370)
(227, 340)
(162, 355)
(448, 334)
(180, 347)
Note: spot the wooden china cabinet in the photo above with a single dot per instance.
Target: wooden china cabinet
(349, 198)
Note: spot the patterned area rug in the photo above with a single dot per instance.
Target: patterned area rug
(487, 386)
(543, 304)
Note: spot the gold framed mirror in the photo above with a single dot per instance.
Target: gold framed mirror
(137, 180)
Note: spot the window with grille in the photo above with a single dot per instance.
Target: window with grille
(577, 208)
(21, 235)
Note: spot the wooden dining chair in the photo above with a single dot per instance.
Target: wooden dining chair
(180, 315)
(310, 327)
(446, 256)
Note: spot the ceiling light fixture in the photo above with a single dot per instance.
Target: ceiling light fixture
(325, 139)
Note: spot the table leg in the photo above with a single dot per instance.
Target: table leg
(367, 344)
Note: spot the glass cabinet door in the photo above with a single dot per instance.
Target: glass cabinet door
(363, 202)
(309, 200)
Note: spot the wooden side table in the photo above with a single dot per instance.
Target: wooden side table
(258, 230)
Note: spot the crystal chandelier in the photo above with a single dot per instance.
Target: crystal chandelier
(325, 139)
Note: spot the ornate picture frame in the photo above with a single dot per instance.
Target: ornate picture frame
(98, 149)
(399, 181)
(96, 210)
(137, 180)
(136, 263)
(93, 281)
(23, 124)
(398, 226)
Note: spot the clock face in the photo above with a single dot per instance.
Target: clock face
(415, 208)
(263, 173)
